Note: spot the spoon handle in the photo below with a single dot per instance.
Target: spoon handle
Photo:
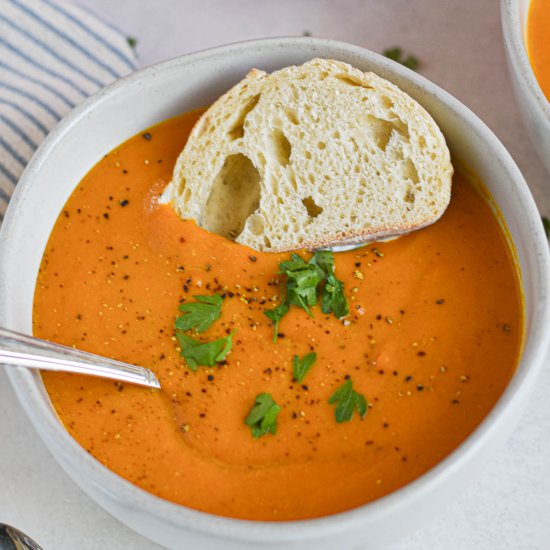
(21, 350)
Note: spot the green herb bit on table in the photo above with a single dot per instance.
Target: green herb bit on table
(300, 367)
(347, 400)
(262, 418)
(546, 225)
(200, 314)
(396, 53)
(132, 41)
(207, 354)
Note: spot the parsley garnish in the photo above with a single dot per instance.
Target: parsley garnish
(324, 259)
(347, 400)
(304, 282)
(333, 300)
(201, 314)
(206, 354)
(301, 366)
(276, 314)
(262, 419)
(396, 53)
(132, 41)
(546, 224)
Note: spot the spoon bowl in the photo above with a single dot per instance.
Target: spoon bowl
(13, 539)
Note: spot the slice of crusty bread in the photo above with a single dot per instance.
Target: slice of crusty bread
(312, 156)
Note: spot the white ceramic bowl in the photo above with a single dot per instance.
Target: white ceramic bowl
(159, 92)
(533, 104)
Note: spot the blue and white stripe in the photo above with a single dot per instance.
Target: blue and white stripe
(52, 55)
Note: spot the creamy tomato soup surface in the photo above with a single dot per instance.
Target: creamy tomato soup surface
(432, 338)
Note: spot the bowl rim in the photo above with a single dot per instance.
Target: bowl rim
(513, 32)
(28, 390)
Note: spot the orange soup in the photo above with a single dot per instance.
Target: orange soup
(431, 340)
(538, 42)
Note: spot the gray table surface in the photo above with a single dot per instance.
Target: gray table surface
(459, 44)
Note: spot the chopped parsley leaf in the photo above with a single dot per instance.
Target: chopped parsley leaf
(200, 314)
(276, 314)
(324, 259)
(132, 41)
(302, 281)
(262, 418)
(546, 224)
(333, 298)
(305, 281)
(197, 353)
(347, 400)
(301, 367)
(396, 54)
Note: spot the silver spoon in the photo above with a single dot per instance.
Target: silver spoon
(21, 350)
(13, 539)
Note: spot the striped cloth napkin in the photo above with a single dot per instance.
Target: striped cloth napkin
(52, 56)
